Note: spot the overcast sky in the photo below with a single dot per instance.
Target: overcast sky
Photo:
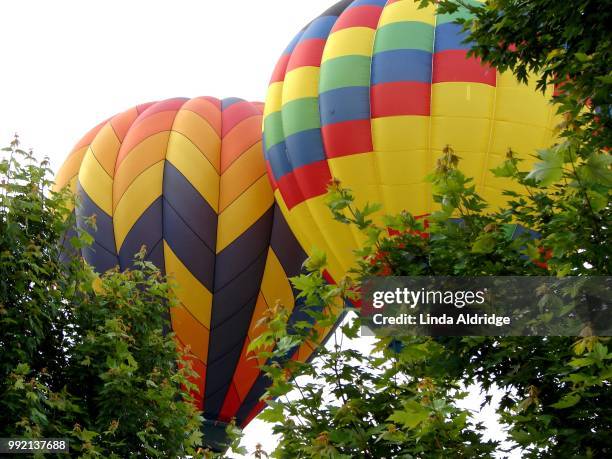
(69, 64)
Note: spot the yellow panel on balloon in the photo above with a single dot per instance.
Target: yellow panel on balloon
(494, 197)
(520, 103)
(462, 134)
(355, 41)
(190, 332)
(190, 292)
(341, 240)
(407, 11)
(243, 173)
(69, 170)
(400, 133)
(275, 286)
(301, 83)
(97, 183)
(243, 213)
(274, 99)
(196, 168)
(106, 147)
(465, 100)
(414, 198)
(136, 200)
(404, 167)
(359, 169)
(521, 138)
(201, 134)
(148, 152)
(325, 234)
(474, 165)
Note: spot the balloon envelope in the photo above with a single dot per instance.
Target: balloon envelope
(370, 93)
(187, 179)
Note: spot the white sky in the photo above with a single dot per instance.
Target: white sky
(69, 64)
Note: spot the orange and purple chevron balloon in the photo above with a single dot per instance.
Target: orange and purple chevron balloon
(187, 179)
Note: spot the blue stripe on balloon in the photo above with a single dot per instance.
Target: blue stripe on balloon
(319, 28)
(304, 148)
(277, 155)
(357, 3)
(146, 231)
(190, 205)
(188, 247)
(227, 103)
(289, 49)
(345, 104)
(450, 36)
(401, 65)
(104, 234)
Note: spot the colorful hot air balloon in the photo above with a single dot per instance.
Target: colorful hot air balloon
(187, 179)
(370, 93)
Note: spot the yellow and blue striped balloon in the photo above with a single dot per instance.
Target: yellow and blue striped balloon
(370, 93)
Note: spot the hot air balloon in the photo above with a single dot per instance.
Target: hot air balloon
(370, 93)
(187, 179)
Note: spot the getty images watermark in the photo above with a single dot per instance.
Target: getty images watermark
(487, 306)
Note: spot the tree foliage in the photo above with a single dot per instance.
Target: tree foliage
(400, 400)
(84, 357)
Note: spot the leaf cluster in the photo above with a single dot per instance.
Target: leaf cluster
(84, 356)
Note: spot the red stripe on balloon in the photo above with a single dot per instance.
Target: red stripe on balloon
(307, 53)
(273, 182)
(281, 69)
(313, 178)
(401, 98)
(290, 190)
(254, 412)
(347, 138)
(305, 183)
(237, 113)
(328, 277)
(361, 16)
(168, 105)
(455, 66)
(230, 405)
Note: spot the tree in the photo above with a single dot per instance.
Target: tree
(84, 356)
(400, 400)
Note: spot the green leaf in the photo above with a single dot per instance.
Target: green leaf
(582, 57)
(607, 79)
(412, 415)
(567, 401)
(273, 414)
(581, 362)
(316, 261)
(597, 169)
(484, 244)
(506, 169)
(550, 169)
